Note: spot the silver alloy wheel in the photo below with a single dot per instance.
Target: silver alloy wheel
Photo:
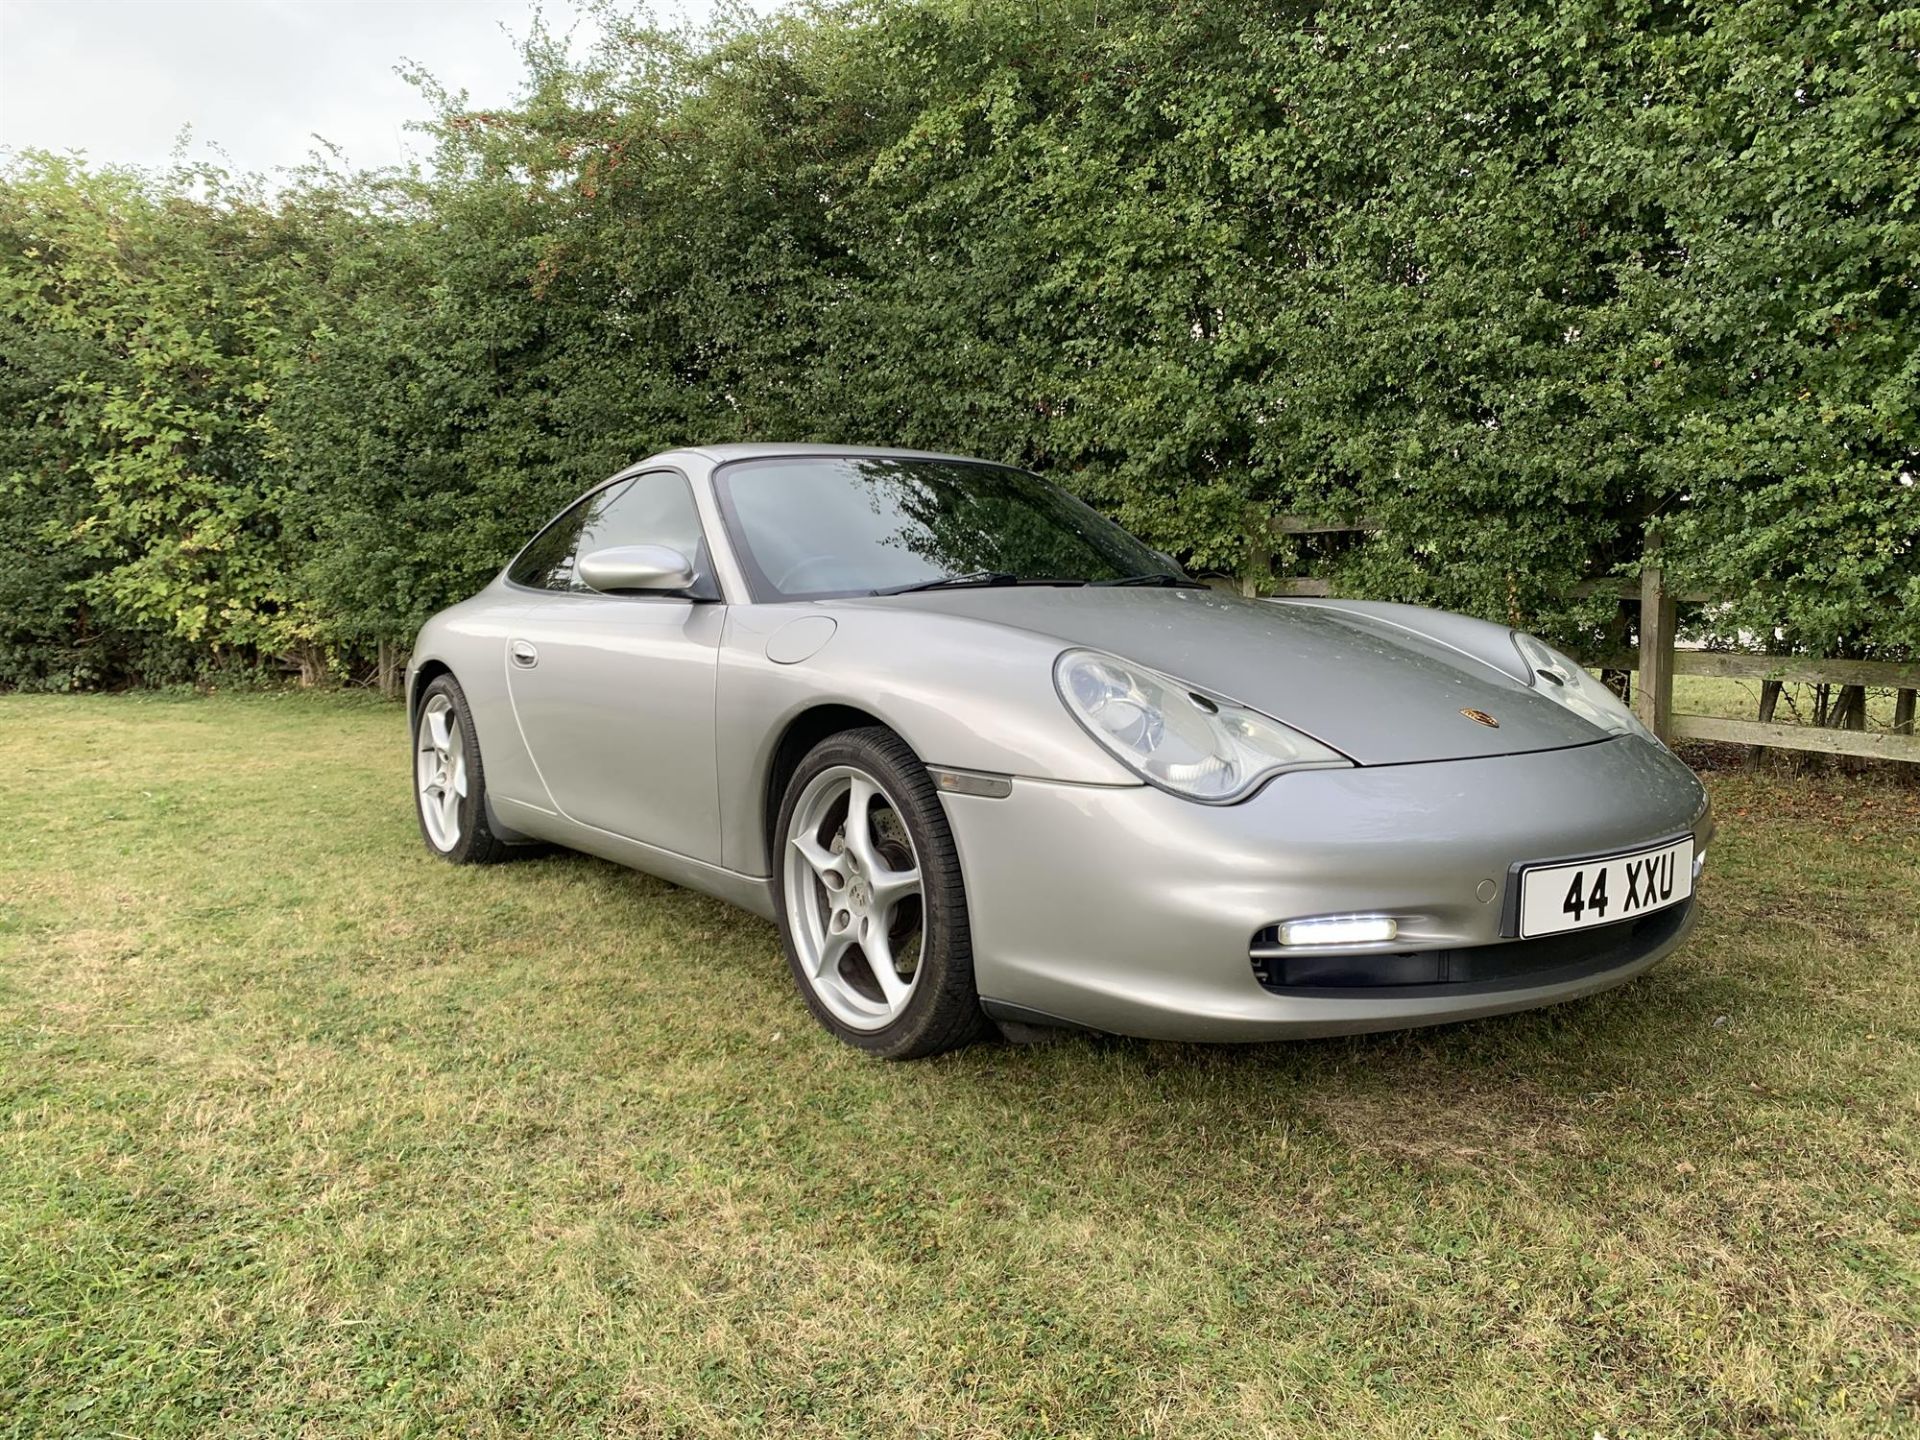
(440, 767)
(854, 903)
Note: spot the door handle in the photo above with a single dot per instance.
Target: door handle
(523, 654)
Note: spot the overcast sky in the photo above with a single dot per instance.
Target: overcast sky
(256, 78)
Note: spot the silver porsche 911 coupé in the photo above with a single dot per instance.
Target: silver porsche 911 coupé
(983, 756)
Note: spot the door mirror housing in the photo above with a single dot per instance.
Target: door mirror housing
(621, 568)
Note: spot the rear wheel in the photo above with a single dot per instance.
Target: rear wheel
(872, 909)
(450, 783)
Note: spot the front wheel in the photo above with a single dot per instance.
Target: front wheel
(872, 908)
(449, 782)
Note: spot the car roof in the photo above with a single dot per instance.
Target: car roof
(767, 450)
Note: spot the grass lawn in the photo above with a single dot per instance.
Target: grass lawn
(303, 1132)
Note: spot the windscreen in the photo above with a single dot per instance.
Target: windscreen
(806, 527)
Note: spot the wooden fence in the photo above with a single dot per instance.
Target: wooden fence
(1657, 660)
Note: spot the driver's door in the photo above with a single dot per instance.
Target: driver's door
(614, 693)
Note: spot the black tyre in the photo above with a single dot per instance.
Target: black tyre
(872, 908)
(449, 780)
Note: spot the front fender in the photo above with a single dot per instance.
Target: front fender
(470, 640)
(962, 693)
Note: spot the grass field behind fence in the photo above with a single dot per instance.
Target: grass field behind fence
(302, 1132)
(1740, 700)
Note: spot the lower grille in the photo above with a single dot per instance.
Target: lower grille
(1506, 965)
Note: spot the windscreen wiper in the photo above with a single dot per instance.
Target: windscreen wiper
(978, 577)
(1170, 581)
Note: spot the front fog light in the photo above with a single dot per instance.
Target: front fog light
(1699, 864)
(1339, 930)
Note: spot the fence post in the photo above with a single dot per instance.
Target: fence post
(1256, 563)
(1659, 615)
(387, 668)
(1769, 704)
(1903, 712)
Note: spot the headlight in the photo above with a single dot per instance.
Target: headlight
(1173, 736)
(1568, 683)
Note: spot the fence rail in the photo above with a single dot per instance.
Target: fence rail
(1658, 660)
(1872, 744)
(1798, 670)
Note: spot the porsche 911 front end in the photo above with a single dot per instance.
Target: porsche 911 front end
(1344, 817)
(1332, 902)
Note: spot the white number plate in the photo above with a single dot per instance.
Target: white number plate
(1599, 892)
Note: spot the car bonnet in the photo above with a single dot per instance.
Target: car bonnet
(1379, 695)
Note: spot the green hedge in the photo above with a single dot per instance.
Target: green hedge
(1523, 284)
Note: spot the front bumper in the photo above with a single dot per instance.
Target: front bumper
(1125, 909)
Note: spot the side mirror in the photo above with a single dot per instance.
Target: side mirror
(635, 567)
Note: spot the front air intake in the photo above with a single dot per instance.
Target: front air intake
(1504, 965)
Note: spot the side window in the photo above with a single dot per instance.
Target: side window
(653, 509)
(547, 564)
